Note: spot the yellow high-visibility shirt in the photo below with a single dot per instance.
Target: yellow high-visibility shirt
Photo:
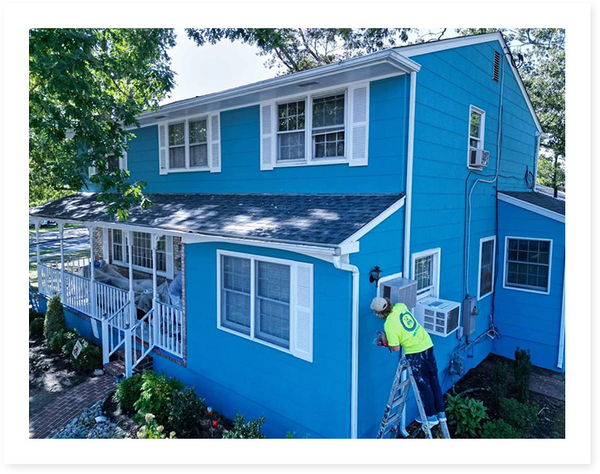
(402, 329)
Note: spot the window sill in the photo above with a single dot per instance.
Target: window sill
(526, 290)
(317, 162)
(188, 170)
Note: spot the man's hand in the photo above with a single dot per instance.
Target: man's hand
(394, 348)
(382, 339)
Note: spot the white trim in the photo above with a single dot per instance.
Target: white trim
(481, 140)
(481, 242)
(561, 337)
(376, 221)
(436, 253)
(409, 174)
(531, 207)
(293, 265)
(442, 45)
(168, 273)
(505, 271)
(186, 132)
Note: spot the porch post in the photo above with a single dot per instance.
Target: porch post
(132, 311)
(63, 288)
(92, 292)
(155, 309)
(38, 257)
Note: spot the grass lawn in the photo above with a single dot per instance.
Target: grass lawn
(54, 227)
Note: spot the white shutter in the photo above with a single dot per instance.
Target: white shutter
(214, 153)
(358, 98)
(162, 148)
(123, 161)
(91, 171)
(302, 314)
(267, 136)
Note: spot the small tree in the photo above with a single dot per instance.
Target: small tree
(499, 387)
(522, 373)
(55, 318)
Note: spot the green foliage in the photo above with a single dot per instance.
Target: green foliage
(522, 371)
(33, 314)
(93, 82)
(36, 327)
(499, 429)
(500, 383)
(558, 426)
(70, 339)
(156, 394)
(465, 415)
(90, 358)
(55, 318)
(185, 412)
(128, 392)
(152, 430)
(521, 416)
(250, 430)
(551, 172)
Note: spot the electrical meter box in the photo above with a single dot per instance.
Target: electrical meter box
(400, 290)
(470, 312)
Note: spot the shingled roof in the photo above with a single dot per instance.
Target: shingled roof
(539, 199)
(321, 219)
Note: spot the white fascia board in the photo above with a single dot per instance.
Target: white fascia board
(375, 222)
(531, 207)
(393, 57)
(442, 45)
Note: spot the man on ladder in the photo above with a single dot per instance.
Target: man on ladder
(403, 331)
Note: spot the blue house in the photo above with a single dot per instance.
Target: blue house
(274, 203)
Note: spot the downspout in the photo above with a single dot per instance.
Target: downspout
(538, 140)
(561, 340)
(354, 366)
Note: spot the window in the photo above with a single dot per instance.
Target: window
(487, 254)
(426, 272)
(528, 264)
(141, 250)
(198, 143)
(328, 126)
(476, 127)
(290, 131)
(177, 145)
(266, 300)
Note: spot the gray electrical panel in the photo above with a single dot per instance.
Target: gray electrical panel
(470, 312)
(400, 290)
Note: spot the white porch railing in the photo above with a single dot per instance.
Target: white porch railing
(108, 299)
(50, 280)
(73, 263)
(143, 334)
(77, 289)
(114, 331)
(170, 328)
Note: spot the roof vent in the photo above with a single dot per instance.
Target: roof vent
(496, 75)
(306, 84)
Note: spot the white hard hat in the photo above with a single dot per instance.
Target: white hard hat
(379, 304)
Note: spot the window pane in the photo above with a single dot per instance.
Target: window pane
(486, 267)
(291, 116)
(177, 157)
(328, 111)
(235, 293)
(291, 146)
(177, 134)
(236, 274)
(423, 270)
(113, 163)
(198, 131)
(273, 281)
(475, 124)
(198, 155)
(272, 303)
(329, 145)
(529, 266)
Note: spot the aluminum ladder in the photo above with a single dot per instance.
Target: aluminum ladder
(392, 416)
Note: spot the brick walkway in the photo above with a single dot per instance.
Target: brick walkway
(69, 405)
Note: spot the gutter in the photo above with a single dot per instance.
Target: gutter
(354, 366)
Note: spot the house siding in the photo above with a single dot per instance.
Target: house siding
(530, 320)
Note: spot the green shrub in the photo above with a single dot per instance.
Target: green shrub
(499, 429)
(152, 430)
(521, 416)
(56, 342)
(156, 394)
(522, 374)
(128, 392)
(70, 339)
(33, 314)
(90, 358)
(499, 384)
(185, 412)
(250, 430)
(55, 318)
(36, 327)
(465, 415)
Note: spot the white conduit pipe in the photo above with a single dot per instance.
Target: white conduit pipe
(561, 340)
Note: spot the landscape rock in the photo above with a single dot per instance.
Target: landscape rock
(91, 424)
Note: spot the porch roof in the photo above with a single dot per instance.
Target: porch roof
(318, 219)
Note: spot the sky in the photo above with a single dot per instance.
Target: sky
(207, 69)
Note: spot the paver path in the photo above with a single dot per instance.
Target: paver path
(69, 405)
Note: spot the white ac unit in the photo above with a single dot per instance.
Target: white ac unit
(439, 317)
(478, 158)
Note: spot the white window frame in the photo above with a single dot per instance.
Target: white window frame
(169, 273)
(505, 273)
(309, 151)
(186, 131)
(480, 140)
(436, 266)
(481, 242)
(293, 298)
(122, 165)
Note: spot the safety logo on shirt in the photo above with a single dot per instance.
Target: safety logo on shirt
(408, 322)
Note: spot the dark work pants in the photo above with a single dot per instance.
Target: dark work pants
(425, 372)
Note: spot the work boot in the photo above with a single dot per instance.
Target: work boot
(442, 416)
(432, 420)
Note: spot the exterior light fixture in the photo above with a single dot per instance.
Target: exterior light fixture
(375, 275)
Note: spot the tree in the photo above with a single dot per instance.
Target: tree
(86, 86)
(296, 49)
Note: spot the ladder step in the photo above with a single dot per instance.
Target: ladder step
(399, 401)
(391, 423)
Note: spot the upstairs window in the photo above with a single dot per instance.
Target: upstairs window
(527, 265)
(198, 143)
(177, 145)
(328, 127)
(487, 253)
(291, 131)
(426, 268)
(476, 127)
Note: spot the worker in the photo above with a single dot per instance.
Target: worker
(402, 329)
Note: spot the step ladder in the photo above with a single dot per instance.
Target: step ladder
(392, 416)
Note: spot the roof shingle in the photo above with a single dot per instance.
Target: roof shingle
(539, 199)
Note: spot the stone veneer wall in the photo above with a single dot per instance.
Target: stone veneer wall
(98, 244)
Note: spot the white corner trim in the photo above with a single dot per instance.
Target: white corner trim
(375, 222)
(505, 270)
(531, 207)
(481, 242)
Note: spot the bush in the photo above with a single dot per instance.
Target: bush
(56, 342)
(185, 413)
(500, 383)
(90, 358)
(250, 430)
(33, 314)
(519, 415)
(156, 394)
(152, 430)
(55, 318)
(499, 429)
(70, 339)
(128, 392)
(36, 327)
(465, 415)
(522, 374)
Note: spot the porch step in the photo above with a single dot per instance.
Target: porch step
(116, 368)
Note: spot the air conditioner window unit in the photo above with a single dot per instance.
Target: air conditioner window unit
(439, 317)
(478, 158)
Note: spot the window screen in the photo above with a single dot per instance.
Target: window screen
(328, 126)
(528, 264)
(423, 274)
(235, 293)
(177, 145)
(486, 267)
(273, 303)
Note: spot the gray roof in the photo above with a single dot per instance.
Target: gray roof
(539, 199)
(321, 219)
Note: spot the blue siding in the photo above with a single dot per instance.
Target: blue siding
(530, 320)
(240, 150)
(236, 374)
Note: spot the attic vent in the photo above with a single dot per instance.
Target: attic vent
(496, 75)
(306, 84)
